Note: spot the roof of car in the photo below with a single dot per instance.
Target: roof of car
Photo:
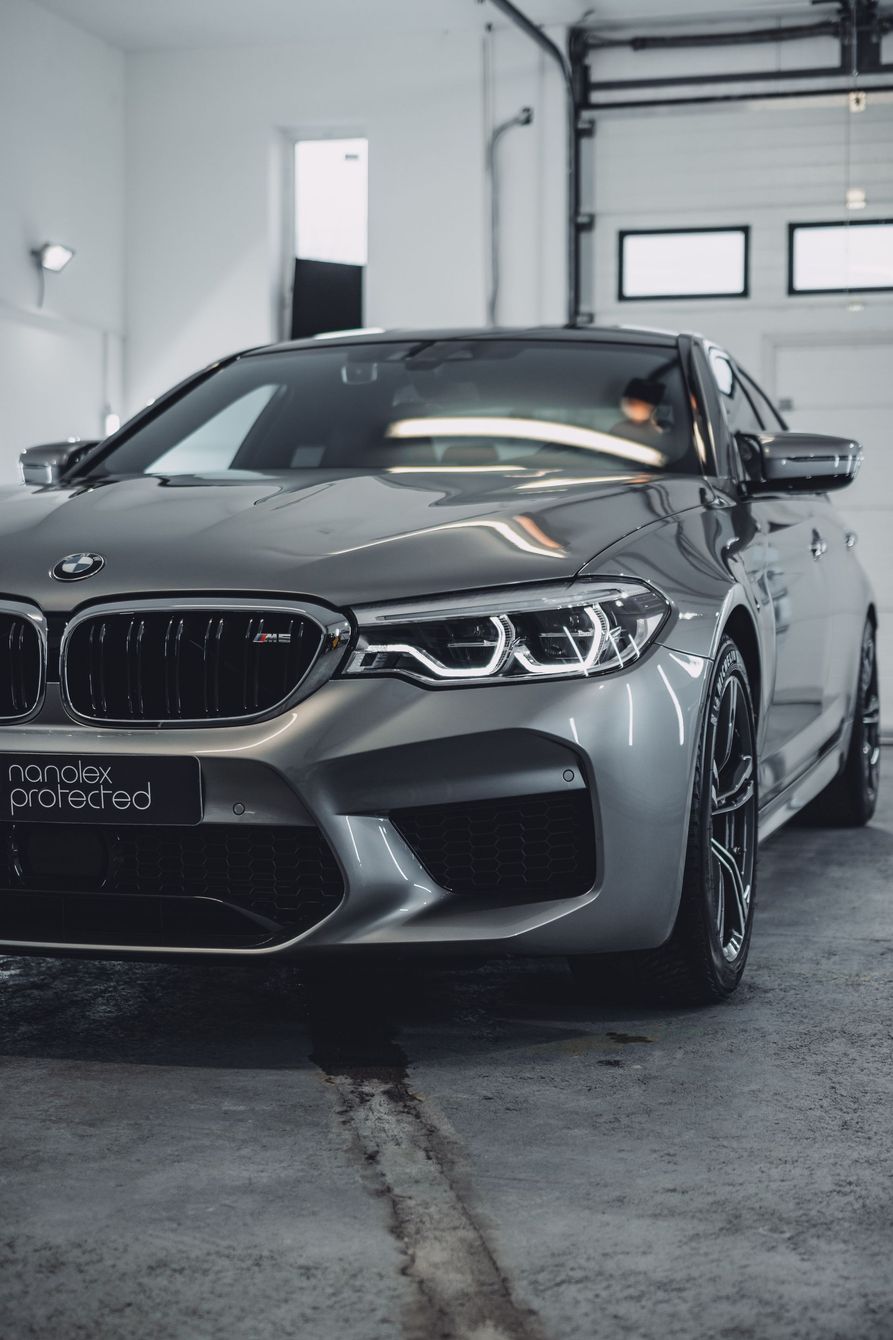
(568, 334)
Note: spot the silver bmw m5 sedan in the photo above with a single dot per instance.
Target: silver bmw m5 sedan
(503, 641)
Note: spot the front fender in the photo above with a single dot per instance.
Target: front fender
(709, 563)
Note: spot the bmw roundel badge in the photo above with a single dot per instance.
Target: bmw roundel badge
(74, 567)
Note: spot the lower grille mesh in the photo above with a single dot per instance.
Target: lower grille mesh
(288, 876)
(533, 846)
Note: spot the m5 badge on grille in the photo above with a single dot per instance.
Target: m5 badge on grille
(99, 789)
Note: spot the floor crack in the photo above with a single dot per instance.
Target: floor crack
(412, 1160)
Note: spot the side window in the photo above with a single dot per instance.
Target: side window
(740, 413)
(772, 420)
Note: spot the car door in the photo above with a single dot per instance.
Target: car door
(795, 582)
(845, 612)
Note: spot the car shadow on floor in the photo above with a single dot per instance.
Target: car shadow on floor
(338, 1013)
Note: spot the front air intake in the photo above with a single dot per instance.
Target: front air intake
(516, 848)
(214, 885)
(21, 664)
(186, 664)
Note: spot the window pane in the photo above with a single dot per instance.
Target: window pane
(772, 420)
(841, 256)
(407, 408)
(212, 446)
(684, 264)
(330, 201)
(739, 412)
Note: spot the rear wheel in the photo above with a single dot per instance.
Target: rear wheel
(851, 799)
(704, 958)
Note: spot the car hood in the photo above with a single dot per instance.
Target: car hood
(339, 537)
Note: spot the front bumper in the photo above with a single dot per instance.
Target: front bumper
(355, 751)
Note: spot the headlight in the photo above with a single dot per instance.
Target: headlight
(586, 628)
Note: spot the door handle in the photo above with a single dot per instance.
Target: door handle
(819, 547)
(851, 539)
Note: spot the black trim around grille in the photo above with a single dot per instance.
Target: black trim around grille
(186, 665)
(211, 884)
(21, 666)
(521, 846)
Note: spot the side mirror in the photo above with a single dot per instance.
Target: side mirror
(798, 462)
(47, 464)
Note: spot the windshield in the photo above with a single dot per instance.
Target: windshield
(436, 405)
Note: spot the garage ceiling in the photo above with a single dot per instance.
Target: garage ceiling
(203, 23)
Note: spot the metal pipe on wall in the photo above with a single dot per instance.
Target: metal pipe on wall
(546, 44)
(522, 118)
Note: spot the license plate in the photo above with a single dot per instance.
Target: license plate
(99, 789)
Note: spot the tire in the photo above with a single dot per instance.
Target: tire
(851, 799)
(703, 960)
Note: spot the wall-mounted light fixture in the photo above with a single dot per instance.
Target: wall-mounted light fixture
(52, 256)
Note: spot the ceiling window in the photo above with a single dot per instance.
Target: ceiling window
(840, 257)
(689, 263)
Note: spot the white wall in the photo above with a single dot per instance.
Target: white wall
(208, 155)
(208, 151)
(62, 175)
(531, 172)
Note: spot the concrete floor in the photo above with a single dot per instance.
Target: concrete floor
(471, 1152)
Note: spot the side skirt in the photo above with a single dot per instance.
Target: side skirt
(798, 795)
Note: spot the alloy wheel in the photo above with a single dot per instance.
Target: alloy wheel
(870, 707)
(732, 818)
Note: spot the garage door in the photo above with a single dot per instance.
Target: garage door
(848, 389)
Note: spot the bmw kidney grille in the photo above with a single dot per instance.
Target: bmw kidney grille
(186, 665)
(21, 665)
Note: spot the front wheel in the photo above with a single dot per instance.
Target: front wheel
(703, 960)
